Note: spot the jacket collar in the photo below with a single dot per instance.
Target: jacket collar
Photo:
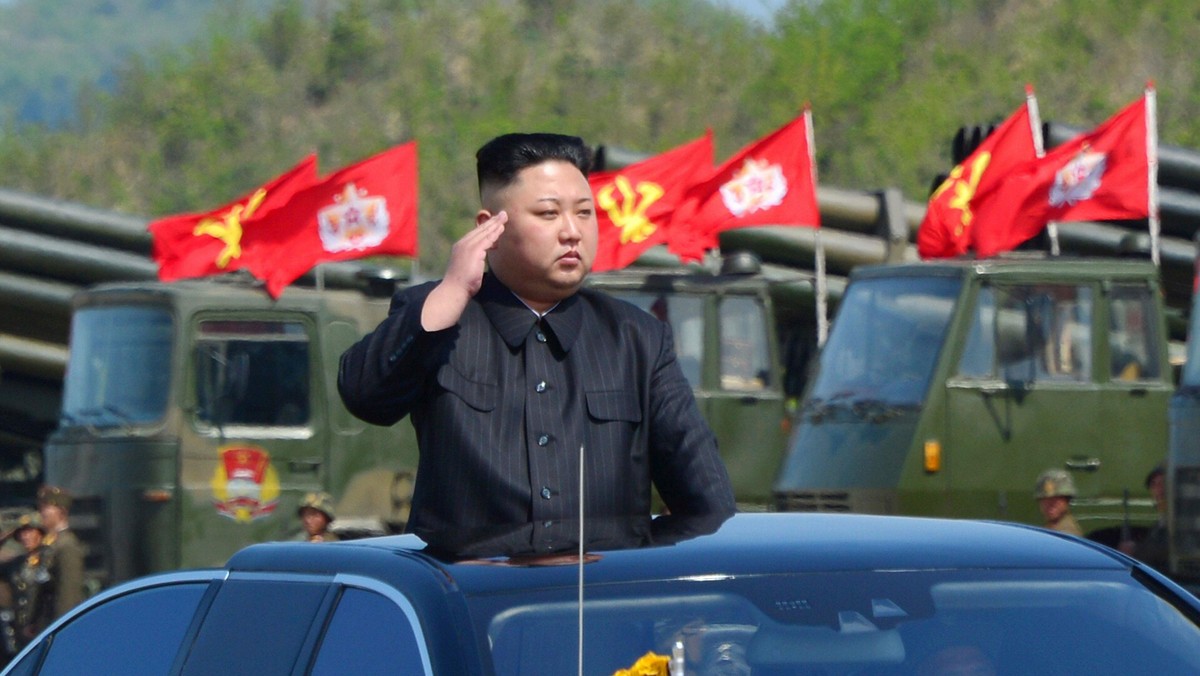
(513, 319)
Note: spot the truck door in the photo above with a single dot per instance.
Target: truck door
(1023, 399)
(746, 408)
(254, 446)
(1137, 389)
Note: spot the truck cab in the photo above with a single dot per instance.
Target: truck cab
(1183, 475)
(946, 388)
(197, 415)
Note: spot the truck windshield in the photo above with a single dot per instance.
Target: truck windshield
(120, 366)
(1190, 378)
(885, 341)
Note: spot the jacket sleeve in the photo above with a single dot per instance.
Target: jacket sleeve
(68, 572)
(382, 376)
(685, 463)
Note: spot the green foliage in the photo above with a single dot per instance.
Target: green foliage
(192, 126)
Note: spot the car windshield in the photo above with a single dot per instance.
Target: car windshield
(885, 341)
(873, 622)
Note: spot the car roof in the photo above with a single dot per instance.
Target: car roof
(746, 544)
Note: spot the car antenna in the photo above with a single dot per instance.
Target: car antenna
(580, 564)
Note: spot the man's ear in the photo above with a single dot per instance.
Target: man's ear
(482, 216)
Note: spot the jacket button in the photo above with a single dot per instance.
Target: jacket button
(545, 493)
(543, 440)
(541, 337)
(541, 387)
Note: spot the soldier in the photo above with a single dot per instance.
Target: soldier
(23, 614)
(64, 553)
(1152, 548)
(316, 513)
(1054, 492)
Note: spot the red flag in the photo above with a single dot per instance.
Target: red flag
(769, 182)
(200, 244)
(366, 209)
(1101, 175)
(945, 231)
(635, 204)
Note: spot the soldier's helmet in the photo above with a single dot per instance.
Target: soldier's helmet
(55, 496)
(1053, 483)
(320, 501)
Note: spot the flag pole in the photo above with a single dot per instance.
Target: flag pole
(1152, 170)
(821, 290)
(1039, 150)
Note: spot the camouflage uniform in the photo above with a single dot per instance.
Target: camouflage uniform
(1058, 483)
(26, 613)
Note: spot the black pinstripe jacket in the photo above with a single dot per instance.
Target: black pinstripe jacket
(502, 401)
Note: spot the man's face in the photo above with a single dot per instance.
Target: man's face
(1054, 508)
(549, 241)
(30, 538)
(1158, 490)
(314, 520)
(53, 516)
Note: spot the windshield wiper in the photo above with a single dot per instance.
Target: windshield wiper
(94, 414)
(874, 410)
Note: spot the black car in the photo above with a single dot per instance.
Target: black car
(755, 594)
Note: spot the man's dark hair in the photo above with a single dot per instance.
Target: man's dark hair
(500, 160)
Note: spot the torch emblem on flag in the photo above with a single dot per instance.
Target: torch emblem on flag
(354, 222)
(228, 228)
(629, 213)
(755, 187)
(1077, 180)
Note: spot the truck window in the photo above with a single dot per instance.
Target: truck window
(885, 342)
(120, 367)
(252, 373)
(1030, 332)
(1132, 336)
(685, 314)
(745, 356)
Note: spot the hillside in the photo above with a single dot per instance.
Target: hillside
(193, 125)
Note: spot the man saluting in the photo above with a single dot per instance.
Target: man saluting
(507, 366)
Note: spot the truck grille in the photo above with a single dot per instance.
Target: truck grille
(813, 501)
(1187, 520)
(87, 520)
(856, 500)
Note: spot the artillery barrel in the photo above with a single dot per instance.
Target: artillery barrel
(68, 260)
(73, 221)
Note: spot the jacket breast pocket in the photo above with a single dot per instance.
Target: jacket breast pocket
(478, 395)
(614, 405)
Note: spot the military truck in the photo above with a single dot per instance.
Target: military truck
(1183, 465)
(945, 388)
(197, 414)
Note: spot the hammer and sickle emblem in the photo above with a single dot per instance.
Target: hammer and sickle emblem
(629, 214)
(229, 228)
(963, 190)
